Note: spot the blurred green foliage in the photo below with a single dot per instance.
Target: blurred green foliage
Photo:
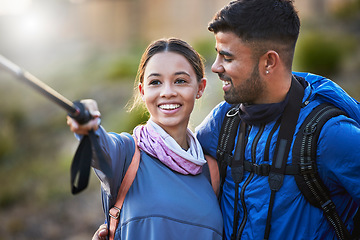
(206, 48)
(323, 52)
(349, 12)
(137, 116)
(10, 119)
(123, 68)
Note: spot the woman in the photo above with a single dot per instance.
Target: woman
(170, 198)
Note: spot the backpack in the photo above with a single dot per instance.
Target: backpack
(303, 168)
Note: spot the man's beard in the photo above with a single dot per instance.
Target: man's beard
(248, 91)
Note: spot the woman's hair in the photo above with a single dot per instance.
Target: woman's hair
(267, 24)
(168, 45)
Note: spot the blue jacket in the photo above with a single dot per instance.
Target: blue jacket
(338, 160)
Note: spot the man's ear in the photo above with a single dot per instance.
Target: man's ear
(269, 61)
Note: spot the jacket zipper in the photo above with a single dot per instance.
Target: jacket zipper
(248, 180)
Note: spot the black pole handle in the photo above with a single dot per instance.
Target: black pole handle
(82, 115)
(80, 167)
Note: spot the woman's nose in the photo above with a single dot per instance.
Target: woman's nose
(168, 90)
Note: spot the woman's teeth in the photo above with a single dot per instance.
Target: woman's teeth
(169, 106)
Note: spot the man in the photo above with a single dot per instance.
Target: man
(255, 42)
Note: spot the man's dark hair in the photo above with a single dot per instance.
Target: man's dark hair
(270, 24)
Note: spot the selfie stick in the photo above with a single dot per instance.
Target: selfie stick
(75, 110)
(80, 167)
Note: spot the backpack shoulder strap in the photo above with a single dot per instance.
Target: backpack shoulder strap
(304, 155)
(227, 134)
(226, 143)
(284, 140)
(129, 177)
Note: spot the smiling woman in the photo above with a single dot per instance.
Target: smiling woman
(171, 196)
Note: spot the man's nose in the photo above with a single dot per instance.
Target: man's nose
(217, 67)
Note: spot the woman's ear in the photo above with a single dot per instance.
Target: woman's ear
(201, 88)
(141, 90)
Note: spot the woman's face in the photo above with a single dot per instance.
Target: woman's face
(169, 90)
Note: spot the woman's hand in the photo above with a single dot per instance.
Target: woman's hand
(91, 106)
(101, 233)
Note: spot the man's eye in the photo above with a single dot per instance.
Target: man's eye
(227, 59)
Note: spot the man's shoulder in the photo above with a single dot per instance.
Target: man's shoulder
(208, 131)
(215, 118)
(326, 90)
(221, 108)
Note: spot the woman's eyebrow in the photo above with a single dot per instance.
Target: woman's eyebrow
(181, 73)
(154, 75)
(175, 74)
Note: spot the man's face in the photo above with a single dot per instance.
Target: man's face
(238, 70)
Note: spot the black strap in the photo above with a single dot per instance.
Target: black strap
(356, 231)
(226, 143)
(237, 172)
(81, 164)
(264, 169)
(304, 155)
(80, 167)
(283, 144)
